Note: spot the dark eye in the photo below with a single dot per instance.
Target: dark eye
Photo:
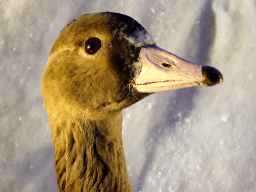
(92, 45)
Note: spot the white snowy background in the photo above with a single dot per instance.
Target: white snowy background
(192, 140)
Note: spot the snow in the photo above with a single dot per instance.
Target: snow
(194, 139)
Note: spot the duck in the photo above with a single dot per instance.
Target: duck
(100, 64)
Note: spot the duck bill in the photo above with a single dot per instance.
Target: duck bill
(163, 71)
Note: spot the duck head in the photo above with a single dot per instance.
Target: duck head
(104, 62)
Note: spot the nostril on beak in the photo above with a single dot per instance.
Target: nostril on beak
(212, 76)
(167, 65)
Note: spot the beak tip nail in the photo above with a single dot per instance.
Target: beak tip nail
(212, 76)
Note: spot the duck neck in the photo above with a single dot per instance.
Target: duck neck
(89, 154)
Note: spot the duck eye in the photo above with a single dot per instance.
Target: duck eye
(92, 45)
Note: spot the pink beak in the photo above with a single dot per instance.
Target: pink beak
(163, 71)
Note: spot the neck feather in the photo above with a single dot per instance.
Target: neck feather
(89, 154)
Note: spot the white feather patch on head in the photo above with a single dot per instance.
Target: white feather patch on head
(140, 38)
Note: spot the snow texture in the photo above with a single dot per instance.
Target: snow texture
(190, 140)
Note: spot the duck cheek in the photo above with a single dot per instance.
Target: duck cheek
(162, 71)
